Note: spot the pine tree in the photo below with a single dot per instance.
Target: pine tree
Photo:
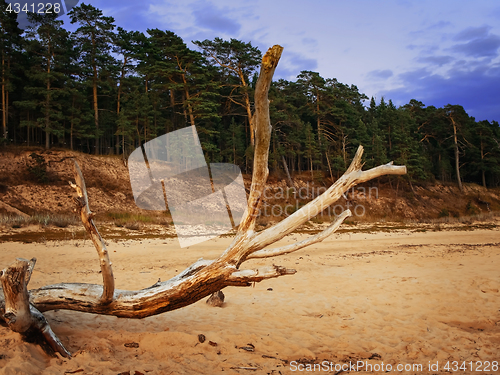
(485, 157)
(94, 38)
(458, 119)
(238, 61)
(128, 44)
(46, 49)
(10, 42)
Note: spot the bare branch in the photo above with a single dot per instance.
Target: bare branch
(88, 222)
(268, 253)
(161, 297)
(29, 271)
(235, 102)
(41, 324)
(229, 67)
(195, 267)
(246, 277)
(351, 177)
(263, 136)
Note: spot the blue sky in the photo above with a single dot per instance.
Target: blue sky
(438, 52)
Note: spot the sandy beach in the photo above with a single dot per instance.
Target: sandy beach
(400, 299)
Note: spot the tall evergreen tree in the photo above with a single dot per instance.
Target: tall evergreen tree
(458, 119)
(238, 61)
(46, 48)
(186, 73)
(129, 45)
(74, 89)
(10, 41)
(485, 159)
(94, 38)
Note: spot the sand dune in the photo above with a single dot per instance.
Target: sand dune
(386, 298)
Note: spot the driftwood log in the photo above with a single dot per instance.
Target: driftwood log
(22, 309)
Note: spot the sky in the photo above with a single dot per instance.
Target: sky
(438, 52)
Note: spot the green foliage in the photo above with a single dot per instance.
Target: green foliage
(10, 50)
(46, 42)
(37, 168)
(472, 209)
(444, 213)
(102, 89)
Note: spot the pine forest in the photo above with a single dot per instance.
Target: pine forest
(105, 90)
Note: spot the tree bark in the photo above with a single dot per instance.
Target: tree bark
(94, 95)
(118, 101)
(47, 104)
(7, 100)
(457, 154)
(72, 125)
(16, 309)
(483, 174)
(22, 309)
(4, 104)
(290, 181)
(88, 222)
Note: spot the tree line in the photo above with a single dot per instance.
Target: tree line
(105, 90)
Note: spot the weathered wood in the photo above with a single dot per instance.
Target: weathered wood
(268, 253)
(263, 129)
(216, 299)
(2, 303)
(17, 313)
(161, 297)
(16, 310)
(87, 219)
(41, 325)
(353, 176)
(204, 277)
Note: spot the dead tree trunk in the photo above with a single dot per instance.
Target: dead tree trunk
(457, 155)
(18, 313)
(22, 310)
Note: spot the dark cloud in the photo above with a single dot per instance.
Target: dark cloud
(471, 78)
(213, 18)
(414, 75)
(476, 90)
(479, 42)
(481, 47)
(435, 60)
(380, 74)
(473, 33)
